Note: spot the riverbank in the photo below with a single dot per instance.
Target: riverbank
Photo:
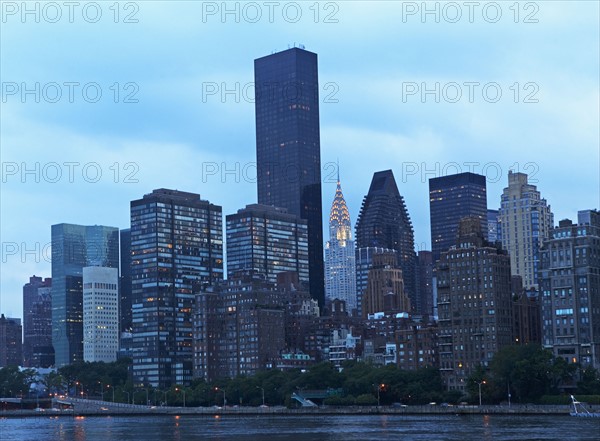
(111, 409)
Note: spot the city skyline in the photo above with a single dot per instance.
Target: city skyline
(379, 132)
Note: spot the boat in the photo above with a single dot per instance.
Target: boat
(582, 411)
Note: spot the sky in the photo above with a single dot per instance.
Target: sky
(102, 102)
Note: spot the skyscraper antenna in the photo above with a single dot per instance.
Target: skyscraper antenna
(338, 169)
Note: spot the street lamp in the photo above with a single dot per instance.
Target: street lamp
(182, 390)
(480, 383)
(263, 394)
(379, 388)
(224, 398)
(113, 392)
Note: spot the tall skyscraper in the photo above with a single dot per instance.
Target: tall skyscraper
(100, 314)
(125, 281)
(288, 147)
(74, 247)
(340, 263)
(450, 199)
(424, 283)
(385, 287)
(11, 345)
(570, 290)
(176, 242)
(364, 262)
(37, 323)
(526, 222)
(384, 222)
(474, 303)
(267, 240)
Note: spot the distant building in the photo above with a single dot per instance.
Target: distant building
(385, 287)
(384, 222)
(570, 290)
(417, 345)
(526, 222)
(425, 283)
(176, 244)
(267, 240)
(364, 262)
(11, 346)
(474, 304)
(452, 198)
(527, 325)
(100, 314)
(238, 327)
(494, 226)
(288, 146)
(340, 265)
(37, 323)
(74, 247)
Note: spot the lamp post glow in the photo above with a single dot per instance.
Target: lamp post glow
(480, 383)
(182, 390)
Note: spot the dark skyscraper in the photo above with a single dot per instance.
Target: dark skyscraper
(37, 323)
(288, 145)
(125, 281)
(384, 222)
(176, 242)
(11, 346)
(73, 247)
(452, 198)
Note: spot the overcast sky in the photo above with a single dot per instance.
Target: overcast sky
(102, 104)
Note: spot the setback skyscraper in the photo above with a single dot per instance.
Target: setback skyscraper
(288, 148)
(452, 198)
(176, 243)
(75, 247)
(526, 222)
(340, 264)
(384, 222)
(37, 323)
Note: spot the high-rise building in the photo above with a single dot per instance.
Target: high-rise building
(385, 287)
(37, 323)
(125, 281)
(526, 222)
(527, 326)
(176, 242)
(340, 264)
(364, 262)
(474, 303)
(238, 327)
(11, 345)
(267, 240)
(288, 148)
(424, 283)
(570, 290)
(494, 226)
(452, 198)
(384, 222)
(74, 247)
(100, 314)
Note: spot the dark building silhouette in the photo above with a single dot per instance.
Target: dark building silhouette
(37, 323)
(384, 222)
(11, 346)
(288, 145)
(176, 242)
(474, 303)
(125, 281)
(75, 247)
(450, 199)
(527, 325)
(385, 287)
(267, 240)
(424, 283)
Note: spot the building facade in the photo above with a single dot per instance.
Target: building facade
(37, 323)
(11, 345)
(526, 222)
(570, 290)
(176, 242)
(425, 283)
(125, 281)
(452, 198)
(494, 226)
(340, 264)
(384, 222)
(385, 287)
(288, 146)
(267, 240)
(100, 314)
(474, 304)
(75, 247)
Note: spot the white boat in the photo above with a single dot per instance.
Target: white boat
(582, 411)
